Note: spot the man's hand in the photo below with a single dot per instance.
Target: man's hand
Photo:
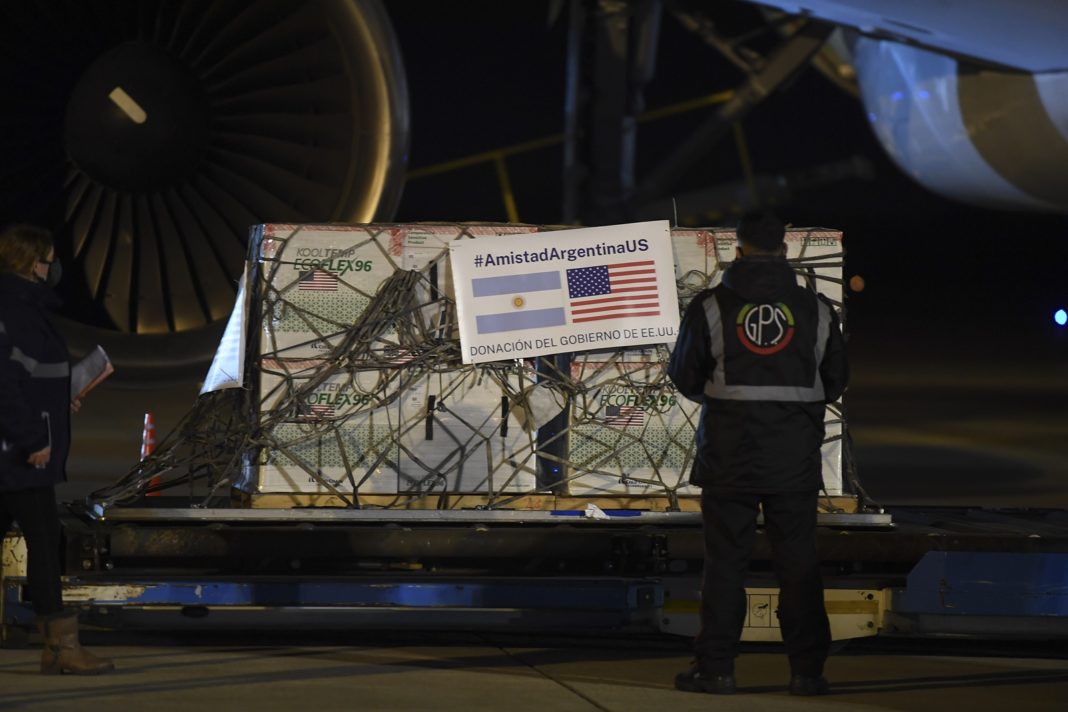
(40, 458)
(75, 405)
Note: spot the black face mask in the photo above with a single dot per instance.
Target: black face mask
(55, 273)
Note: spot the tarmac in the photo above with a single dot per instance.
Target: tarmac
(934, 421)
(485, 672)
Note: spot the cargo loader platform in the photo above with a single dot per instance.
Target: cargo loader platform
(908, 571)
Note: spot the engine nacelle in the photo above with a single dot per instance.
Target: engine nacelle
(986, 137)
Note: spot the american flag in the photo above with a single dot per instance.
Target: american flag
(623, 289)
(318, 280)
(397, 356)
(623, 416)
(316, 412)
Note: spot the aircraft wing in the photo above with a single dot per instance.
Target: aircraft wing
(1027, 35)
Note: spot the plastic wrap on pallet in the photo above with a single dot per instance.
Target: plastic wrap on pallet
(379, 414)
(354, 386)
(228, 365)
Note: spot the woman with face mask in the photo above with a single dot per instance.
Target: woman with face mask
(35, 409)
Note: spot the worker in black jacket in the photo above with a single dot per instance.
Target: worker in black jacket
(763, 356)
(35, 406)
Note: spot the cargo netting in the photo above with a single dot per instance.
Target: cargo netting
(354, 394)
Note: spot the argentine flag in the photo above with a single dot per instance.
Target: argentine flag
(518, 301)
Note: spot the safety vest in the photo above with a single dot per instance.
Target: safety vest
(767, 351)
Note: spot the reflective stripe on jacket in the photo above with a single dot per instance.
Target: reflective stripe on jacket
(34, 387)
(763, 356)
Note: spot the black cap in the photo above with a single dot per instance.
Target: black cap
(763, 231)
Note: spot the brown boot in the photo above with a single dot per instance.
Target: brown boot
(63, 653)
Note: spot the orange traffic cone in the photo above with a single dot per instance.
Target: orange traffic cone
(148, 446)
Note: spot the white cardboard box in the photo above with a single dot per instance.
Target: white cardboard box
(316, 283)
(643, 453)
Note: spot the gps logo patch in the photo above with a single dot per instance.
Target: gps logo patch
(765, 329)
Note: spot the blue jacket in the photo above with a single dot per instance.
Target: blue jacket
(763, 356)
(34, 386)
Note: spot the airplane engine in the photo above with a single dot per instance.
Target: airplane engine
(150, 134)
(989, 137)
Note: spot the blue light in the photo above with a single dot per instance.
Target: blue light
(1061, 317)
(923, 94)
(897, 95)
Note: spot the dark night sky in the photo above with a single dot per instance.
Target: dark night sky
(493, 76)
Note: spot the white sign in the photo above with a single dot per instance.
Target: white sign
(567, 290)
